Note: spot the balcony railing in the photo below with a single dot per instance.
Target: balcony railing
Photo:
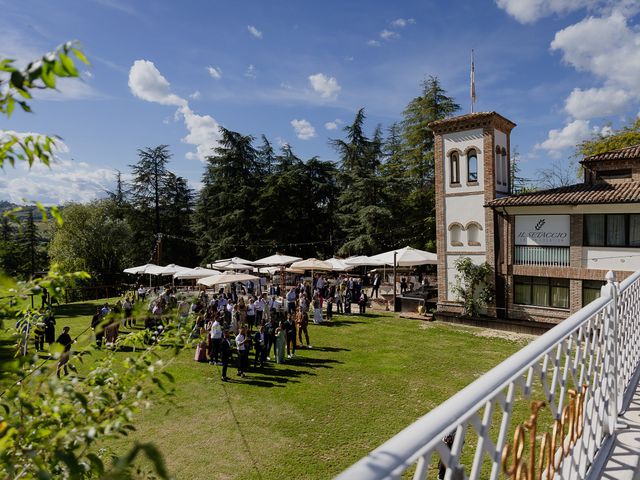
(582, 373)
(543, 256)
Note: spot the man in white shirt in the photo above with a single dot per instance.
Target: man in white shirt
(259, 304)
(215, 334)
(291, 301)
(142, 293)
(243, 352)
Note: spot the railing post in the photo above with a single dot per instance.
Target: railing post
(615, 402)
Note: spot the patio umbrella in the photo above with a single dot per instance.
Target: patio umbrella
(312, 264)
(339, 265)
(166, 270)
(195, 273)
(235, 266)
(363, 261)
(406, 257)
(226, 278)
(276, 260)
(139, 269)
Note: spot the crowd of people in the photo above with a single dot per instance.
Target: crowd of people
(234, 322)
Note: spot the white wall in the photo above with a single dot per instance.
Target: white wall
(463, 210)
(611, 258)
(462, 141)
(451, 271)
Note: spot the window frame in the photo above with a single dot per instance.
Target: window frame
(472, 153)
(627, 231)
(454, 157)
(550, 283)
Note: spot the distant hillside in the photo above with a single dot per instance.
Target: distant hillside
(37, 215)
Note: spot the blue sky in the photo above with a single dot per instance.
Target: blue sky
(171, 72)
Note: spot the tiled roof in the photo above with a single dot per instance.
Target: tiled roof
(624, 153)
(476, 116)
(579, 194)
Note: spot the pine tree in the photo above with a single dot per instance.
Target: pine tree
(433, 104)
(361, 207)
(225, 220)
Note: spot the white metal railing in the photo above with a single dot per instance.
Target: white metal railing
(544, 256)
(584, 370)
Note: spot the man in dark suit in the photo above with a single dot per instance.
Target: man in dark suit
(259, 341)
(225, 353)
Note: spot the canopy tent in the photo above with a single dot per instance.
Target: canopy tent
(312, 264)
(139, 269)
(195, 273)
(406, 257)
(170, 269)
(363, 261)
(226, 278)
(339, 265)
(276, 260)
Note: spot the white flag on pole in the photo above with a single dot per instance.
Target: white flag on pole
(473, 82)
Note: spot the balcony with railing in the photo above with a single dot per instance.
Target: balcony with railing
(542, 256)
(550, 411)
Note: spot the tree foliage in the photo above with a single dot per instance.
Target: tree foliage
(473, 286)
(600, 142)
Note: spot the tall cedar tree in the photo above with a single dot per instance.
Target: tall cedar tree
(362, 212)
(225, 220)
(10, 247)
(432, 105)
(161, 204)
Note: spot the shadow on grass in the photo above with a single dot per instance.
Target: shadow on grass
(75, 309)
(329, 349)
(340, 323)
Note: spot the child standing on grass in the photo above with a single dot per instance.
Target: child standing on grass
(65, 340)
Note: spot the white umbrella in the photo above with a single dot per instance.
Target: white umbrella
(226, 278)
(312, 264)
(339, 265)
(195, 273)
(166, 270)
(140, 269)
(235, 266)
(363, 261)
(276, 260)
(406, 257)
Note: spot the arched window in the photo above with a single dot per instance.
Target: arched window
(455, 167)
(505, 164)
(472, 166)
(473, 233)
(498, 167)
(455, 234)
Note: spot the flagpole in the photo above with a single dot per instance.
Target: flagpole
(473, 82)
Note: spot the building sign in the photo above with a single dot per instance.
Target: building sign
(542, 230)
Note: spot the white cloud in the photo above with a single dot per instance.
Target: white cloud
(606, 47)
(389, 34)
(254, 31)
(373, 43)
(402, 22)
(215, 73)
(251, 71)
(572, 134)
(327, 87)
(333, 125)
(304, 130)
(596, 102)
(146, 82)
(195, 95)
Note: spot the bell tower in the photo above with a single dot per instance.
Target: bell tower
(472, 167)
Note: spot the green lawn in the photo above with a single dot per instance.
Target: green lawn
(365, 379)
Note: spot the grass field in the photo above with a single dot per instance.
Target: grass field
(365, 379)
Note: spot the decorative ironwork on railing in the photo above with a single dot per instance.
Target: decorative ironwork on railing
(543, 256)
(565, 390)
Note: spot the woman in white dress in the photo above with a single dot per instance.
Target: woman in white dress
(317, 309)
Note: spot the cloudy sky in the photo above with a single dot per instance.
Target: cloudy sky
(169, 72)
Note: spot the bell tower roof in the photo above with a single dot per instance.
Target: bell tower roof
(472, 120)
